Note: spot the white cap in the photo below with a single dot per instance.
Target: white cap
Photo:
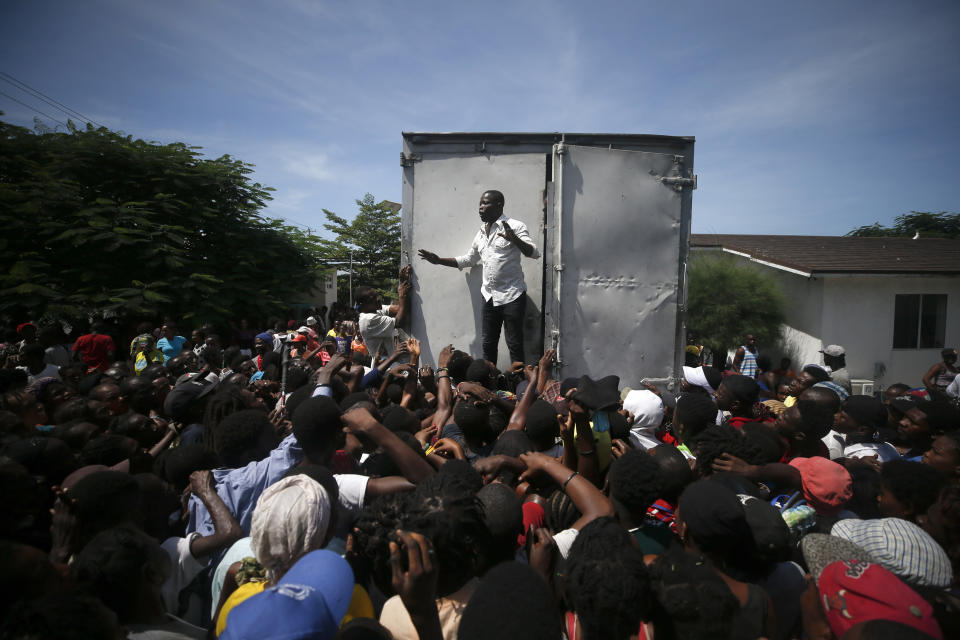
(311, 321)
(695, 376)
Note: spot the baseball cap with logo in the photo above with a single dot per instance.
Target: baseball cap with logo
(308, 602)
(853, 588)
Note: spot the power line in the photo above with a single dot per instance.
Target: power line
(23, 86)
(45, 115)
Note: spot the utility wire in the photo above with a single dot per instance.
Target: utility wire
(23, 86)
(45, 115)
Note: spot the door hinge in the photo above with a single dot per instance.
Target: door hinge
(407, 160)
(558, 267)
(561, 149)
(679, 182)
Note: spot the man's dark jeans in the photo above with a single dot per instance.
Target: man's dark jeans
(510, 316)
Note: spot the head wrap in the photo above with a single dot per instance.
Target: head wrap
(290, 520)
(647, 410)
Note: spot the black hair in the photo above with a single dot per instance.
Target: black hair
(827, 398)
(512, 443)
(223, 402)
(816, 418)
(865, 486)
(451, 517)
(49, 459)
(175, 465)
(373, 530)
(495, 195)
(880, 629)
(675, 471)
(767, 440)
(635, 482)
(742, 388)
(364, 294)
(503, 517)
(692, 602)
(473, 420)
(607, 584)
(112, 566)
(463, 473)
(355, 398)
(714, 442)
(817, 372)
(541, 424)
(397, 419)
(457, 366)
(697, 412)
(560, 512)
(479, 371)
(317, 426)
(237, 438)
(899, 387)
(381, 464)
(512, 601)
(914, 484)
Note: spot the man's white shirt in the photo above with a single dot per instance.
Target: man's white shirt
(502, 273)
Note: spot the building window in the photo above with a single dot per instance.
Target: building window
(919, 321)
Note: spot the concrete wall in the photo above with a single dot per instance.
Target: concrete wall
(858, 314)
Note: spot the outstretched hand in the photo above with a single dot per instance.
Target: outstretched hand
(508, 233)
(429, 256)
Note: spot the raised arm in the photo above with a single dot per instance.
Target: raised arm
(226, 529)
(433, 258)
(401, 309)
(589, 500)
(519, 416)
(413, 466)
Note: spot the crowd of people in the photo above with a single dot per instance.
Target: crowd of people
(318, 480)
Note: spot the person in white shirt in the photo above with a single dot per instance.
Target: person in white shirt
(376, 325)
(498, 245)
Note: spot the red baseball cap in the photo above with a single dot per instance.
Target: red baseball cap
(854, 591)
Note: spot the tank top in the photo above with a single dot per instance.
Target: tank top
(748, 366)
(945, 377)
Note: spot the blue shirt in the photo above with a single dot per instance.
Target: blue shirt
(171, 348)
(241, 488)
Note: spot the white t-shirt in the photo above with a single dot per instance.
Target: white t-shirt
(49, 371)
(564, 540)
(377, 329)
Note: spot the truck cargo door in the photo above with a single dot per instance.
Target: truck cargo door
(614, 263)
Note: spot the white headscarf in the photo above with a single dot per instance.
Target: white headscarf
(647, 410)
(290, 520)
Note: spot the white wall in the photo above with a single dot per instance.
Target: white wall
(858, 314)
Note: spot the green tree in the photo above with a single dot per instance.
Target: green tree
(927, 224)
(373, 237)
(727, 300)
(97, 221)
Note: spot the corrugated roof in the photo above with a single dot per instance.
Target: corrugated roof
(842, 254)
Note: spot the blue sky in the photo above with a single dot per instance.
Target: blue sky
(810, 118)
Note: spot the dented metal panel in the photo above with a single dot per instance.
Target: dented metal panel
(614, 238)
(611, 215)
(440, 213)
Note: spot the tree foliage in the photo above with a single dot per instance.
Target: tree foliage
(96, 221)
(374, 238)
(727, 300)
(927, 224)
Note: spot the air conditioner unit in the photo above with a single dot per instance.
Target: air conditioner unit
(860, 387)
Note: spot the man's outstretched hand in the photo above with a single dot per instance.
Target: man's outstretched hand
(429, 256)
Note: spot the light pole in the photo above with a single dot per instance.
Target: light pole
(351, 278)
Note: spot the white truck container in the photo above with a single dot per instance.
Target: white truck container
(610, 214)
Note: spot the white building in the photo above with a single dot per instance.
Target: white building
(892, 303)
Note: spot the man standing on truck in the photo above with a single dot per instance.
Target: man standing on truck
(498, 245)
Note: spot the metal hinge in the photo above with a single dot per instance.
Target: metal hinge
(407, 160)
(558, 267)
(561, 149)
(679, 182)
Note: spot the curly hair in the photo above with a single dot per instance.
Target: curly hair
(607, 584)
(635, 482)
(692, 601)
(714, 442)
(237, 436)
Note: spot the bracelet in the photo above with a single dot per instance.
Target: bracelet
(444, 369)
(587, 453)
(442, 377)
(563, 487)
